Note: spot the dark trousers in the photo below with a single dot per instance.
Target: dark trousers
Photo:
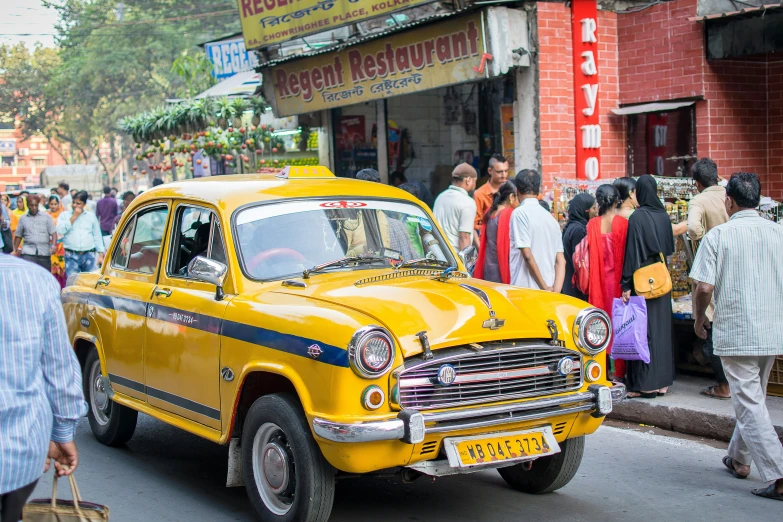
(12, 503)
(715, 364)
(44, 261)
(8, 241)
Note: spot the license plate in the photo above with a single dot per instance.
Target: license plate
(500, 447)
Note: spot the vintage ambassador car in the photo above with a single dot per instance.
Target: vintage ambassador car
(322, 327)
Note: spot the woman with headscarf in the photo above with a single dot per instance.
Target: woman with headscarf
(575, 230)
(492, 263)
(606, 238)
(649, 236)
(58, 258)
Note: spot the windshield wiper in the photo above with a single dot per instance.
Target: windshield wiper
(342, 262)
(423, 261)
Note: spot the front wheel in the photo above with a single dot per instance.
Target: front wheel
(286, 476)
(547, 474)
(112, 424)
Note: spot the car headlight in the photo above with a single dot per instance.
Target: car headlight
(592, 330)
(371, 352)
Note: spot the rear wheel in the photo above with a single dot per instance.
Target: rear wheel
(112, 424)
(547, 474)
(286, 476)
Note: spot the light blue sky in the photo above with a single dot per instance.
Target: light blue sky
(23, 17)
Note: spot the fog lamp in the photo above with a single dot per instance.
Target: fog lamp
(593, 371)
(373, 397)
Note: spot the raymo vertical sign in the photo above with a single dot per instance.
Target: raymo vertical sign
(584, 31)
(266, 22)
(433, 56)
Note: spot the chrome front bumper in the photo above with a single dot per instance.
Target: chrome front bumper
(411, 426)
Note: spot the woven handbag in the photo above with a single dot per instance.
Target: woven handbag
(653, 280)
(76, 510)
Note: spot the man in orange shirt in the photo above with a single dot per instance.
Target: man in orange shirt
(483, 196)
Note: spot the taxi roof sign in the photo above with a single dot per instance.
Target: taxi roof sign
(312, 172)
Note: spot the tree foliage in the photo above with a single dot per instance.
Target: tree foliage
(109, 65)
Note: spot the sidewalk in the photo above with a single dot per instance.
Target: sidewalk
(684, 410)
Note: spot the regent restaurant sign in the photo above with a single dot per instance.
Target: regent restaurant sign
(442, 54)
(267, 22)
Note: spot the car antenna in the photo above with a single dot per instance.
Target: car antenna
(425, 345)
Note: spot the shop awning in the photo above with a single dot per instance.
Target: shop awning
(651, 107)
(735, 12)
(241, 85)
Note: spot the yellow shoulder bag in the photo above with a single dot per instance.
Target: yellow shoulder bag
(653, 280)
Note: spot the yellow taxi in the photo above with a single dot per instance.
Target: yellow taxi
(322, 327)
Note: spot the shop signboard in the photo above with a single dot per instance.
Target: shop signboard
(437, 55)
(229, 57)
(584, 30)
(267, 22)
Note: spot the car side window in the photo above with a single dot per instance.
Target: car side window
(119, 260)
(197, 233)
(147, 239)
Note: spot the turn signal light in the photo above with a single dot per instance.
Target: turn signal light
(373, 397)
(593, 371)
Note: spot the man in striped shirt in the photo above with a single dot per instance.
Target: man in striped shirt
(41, 396)
(739, 261)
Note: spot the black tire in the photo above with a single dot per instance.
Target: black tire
(547, 474)
(113, 424)
(277, 423)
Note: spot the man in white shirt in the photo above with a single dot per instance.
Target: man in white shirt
(455, 210)
(536, 255)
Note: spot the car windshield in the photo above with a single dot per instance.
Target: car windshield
(284, 239)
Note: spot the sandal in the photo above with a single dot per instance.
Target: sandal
(770, 491)
(710, 392)
(729, 463)
(642, 395)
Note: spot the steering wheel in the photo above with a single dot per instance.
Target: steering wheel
(275, 255)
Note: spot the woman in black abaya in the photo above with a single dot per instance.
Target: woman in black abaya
(649, 235)
(575, 231)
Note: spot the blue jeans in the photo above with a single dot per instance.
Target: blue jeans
(76, 262)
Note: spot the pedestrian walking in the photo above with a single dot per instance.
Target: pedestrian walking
(455, 210)
(40, 384)
(485, 194)
(58, 257)
(495, 237)
(36, 229)
(65, 197)
(536, 258)
(106, 211)
(579, 213)
(6, 237)
(706, 211)
(748, 325)
(606, 239)
(649, 238)
(82, 237)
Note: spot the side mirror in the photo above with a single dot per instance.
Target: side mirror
(469, 256)
(209, 271)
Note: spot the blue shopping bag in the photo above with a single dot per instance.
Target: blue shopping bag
(629, 325)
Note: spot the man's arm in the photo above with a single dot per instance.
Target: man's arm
(704, 273)
(18, 235)
(695, 221)
(97, 236)
(62, 384)
(679, 228)
(532, 266)
(464, 240)
(64, 225)
(702, 296)
(560, 266)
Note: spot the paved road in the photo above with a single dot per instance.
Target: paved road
(167, 475)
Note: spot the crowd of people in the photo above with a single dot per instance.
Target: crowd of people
(66, 232)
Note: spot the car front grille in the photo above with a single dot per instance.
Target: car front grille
(488, 373)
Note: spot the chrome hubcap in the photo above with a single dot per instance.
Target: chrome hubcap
(99, 399)
(273, 468)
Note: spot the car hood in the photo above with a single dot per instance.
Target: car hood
(452, 312)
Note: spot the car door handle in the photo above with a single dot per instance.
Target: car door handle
(103, 281)
(162, 292)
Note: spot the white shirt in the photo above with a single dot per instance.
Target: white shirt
(455, 210)
(534, 228)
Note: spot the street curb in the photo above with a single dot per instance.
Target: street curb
(682, 420)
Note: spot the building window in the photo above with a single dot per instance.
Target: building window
(39, 162)
(662, 143)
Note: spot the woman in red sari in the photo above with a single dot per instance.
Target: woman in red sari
(492, 263)
(606, 235)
